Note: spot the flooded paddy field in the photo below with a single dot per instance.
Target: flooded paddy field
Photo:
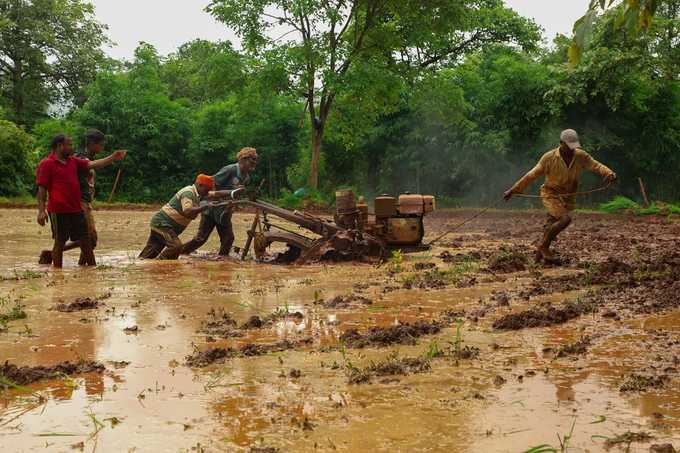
(471, 346)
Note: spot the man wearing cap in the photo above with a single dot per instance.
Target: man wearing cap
(562, 168)
(229, 178)
(173, 218)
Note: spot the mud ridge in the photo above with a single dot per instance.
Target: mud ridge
(30, 374)
(80, 304)
(543, 316)
(218, 355)
(346, 301)
(392, 366)
(385, 336)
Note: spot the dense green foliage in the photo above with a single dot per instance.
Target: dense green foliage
(460, 123)
(16, 161)
(626, 205)
(49, 50)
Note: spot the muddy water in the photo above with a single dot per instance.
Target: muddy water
(156, 403)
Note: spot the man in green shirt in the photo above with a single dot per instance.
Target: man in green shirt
(173, 218)
(231, 177)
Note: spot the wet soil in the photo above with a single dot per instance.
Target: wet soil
(593, 343)
(80, 304)
(346, 301)
(23, 375)
(219, 355)
(392, 366)
(385, 336)
(542, 316)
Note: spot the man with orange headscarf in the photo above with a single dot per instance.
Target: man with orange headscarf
(173, 218)
(229, 178)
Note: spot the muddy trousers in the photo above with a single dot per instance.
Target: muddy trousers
(554, 226)
(205, 228)
(163, 244)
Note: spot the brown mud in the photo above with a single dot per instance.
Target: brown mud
(385, 336)
(80, 304)
(595, 345)
(23, 375)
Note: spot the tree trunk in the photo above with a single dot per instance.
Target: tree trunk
(317, 137)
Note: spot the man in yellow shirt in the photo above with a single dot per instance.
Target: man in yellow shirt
(562, 168)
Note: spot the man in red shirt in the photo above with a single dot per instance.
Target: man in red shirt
(57, 175)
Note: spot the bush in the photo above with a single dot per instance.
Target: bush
(45, 130)
(16, 149)
(619, 204)
(624, 204)
(295, 200)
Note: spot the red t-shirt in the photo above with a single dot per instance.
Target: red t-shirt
(61, 181)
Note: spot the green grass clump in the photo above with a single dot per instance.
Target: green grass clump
(619, 204)
(10, 312)
(310, 198)
(623, 204)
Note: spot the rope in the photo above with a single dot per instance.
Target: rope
(488, 208)
(497, 202)
(587, 192)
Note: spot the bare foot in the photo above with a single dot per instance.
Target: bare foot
(45, 257)
(546, 254)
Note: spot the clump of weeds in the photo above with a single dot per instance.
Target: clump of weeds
(10, 311)
(563, 440)
(393, 365)
(22, 275)
(395, 262)
(435, 278)
(627, 439)
(576, 348)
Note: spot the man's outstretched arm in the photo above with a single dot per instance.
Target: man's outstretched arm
(524, 182)
(108, 160)
(599, 168)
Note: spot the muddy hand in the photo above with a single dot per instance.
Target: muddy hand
(42, 218)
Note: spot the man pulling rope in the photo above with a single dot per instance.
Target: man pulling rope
(562, 168)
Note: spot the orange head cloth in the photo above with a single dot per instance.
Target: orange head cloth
(206, 180)
(247, 153)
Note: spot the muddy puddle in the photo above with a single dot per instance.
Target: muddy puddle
(422, 367)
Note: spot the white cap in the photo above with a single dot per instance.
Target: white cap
(570, 137)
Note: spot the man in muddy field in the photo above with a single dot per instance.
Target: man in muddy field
(59, 198)
(94, 144)
(562, 168)
(173, 218)
(230, 177)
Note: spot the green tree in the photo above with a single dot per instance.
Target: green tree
(628, 114)
(320, 40)
(202, 71)
(632, 16)
(49, 50)
(135, 112)
(16, 160)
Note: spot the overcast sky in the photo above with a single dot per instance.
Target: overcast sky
(169, 23)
